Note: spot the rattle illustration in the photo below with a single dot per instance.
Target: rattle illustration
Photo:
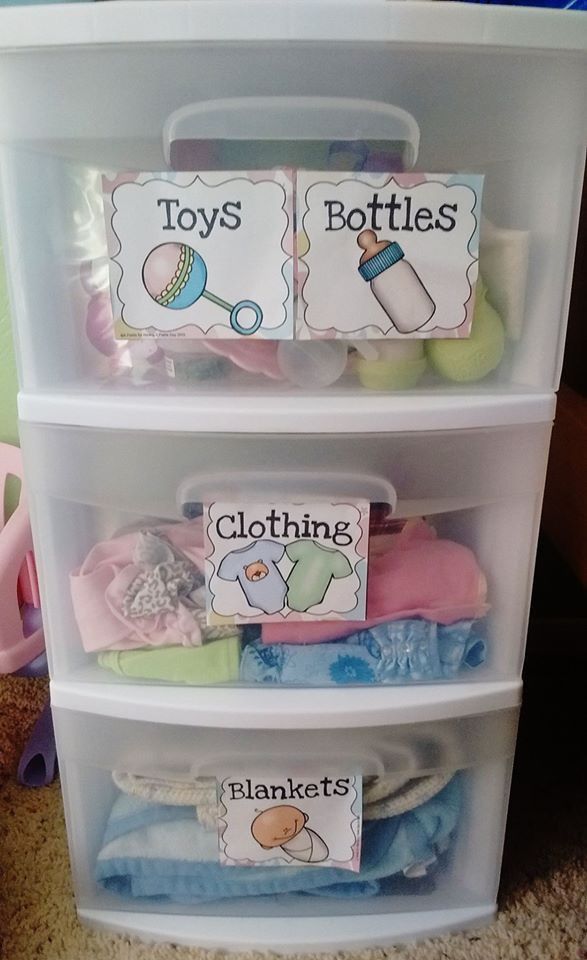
(394, 283)
(285, 826)
(175, 276)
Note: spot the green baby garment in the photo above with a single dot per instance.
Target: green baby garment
(215, 662)
(314, 568)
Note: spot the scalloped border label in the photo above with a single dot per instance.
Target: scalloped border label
(293, 821)
(201, 255)
(286, 561)
(387, 256)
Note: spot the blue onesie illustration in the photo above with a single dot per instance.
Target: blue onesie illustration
(259, 578)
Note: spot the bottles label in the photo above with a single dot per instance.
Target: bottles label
(389, 256)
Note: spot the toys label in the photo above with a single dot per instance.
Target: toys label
(290, 821)
(387, 255)
(201, 254)
(286, 561)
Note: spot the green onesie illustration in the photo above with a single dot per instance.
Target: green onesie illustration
(314, 568)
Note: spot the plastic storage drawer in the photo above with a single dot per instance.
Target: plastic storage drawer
(449, 561)
(481, 96)
(145, 864)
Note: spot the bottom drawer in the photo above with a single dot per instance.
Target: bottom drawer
(142, 815)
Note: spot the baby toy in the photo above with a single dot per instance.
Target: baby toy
(465, 361)
(254, 356)
(397, 365)
(203, 359)
(312, 363)
(38, 762)
(192, 360)
(99, 323)
(21, 629)
(18, 584)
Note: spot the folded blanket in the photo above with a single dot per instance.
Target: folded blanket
(162, 853)
(383, 796)
(418, 575)
(396, 652)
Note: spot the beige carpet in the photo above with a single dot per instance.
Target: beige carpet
(543, 898)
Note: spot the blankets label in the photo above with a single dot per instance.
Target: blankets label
(276, 561)
(290, 820)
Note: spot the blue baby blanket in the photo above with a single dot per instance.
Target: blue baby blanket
(159, 852)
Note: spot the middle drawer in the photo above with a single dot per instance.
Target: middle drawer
(447, 588)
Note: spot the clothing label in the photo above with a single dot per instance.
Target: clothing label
(295, 561)
(201, 254)
(290, 821)
(387, 255)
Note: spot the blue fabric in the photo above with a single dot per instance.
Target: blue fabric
(389, 847)
(396, 652)
(132, 813)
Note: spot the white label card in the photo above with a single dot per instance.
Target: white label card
(201, 254)
(391, 256)
(290, 821)
(295, 561)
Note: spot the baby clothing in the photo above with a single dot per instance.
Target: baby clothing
(396, 652)
(161, 852)
(142, 589)
(418, 575)
(140, 603)
(214, 662)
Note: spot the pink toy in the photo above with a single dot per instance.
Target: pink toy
(99, 324)
(18, 578)
(254, 356)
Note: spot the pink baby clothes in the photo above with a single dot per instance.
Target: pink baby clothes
(100, 586)
(418, 575)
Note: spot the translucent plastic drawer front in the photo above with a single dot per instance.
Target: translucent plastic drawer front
(142, 815)
(121, 555)
(498, 113)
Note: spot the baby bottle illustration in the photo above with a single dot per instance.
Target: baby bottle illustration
(394, 283)
(284, 826)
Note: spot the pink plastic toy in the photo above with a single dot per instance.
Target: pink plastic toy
(18, 576)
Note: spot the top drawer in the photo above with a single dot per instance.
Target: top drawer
(404, 102)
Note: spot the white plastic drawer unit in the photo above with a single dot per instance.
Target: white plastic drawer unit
(142, 812)
(383, 89)
(451, 538)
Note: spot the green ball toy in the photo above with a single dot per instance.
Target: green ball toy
(390, 374)
(473, 358)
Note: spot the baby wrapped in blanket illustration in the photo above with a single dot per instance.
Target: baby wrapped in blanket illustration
(284, 826)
